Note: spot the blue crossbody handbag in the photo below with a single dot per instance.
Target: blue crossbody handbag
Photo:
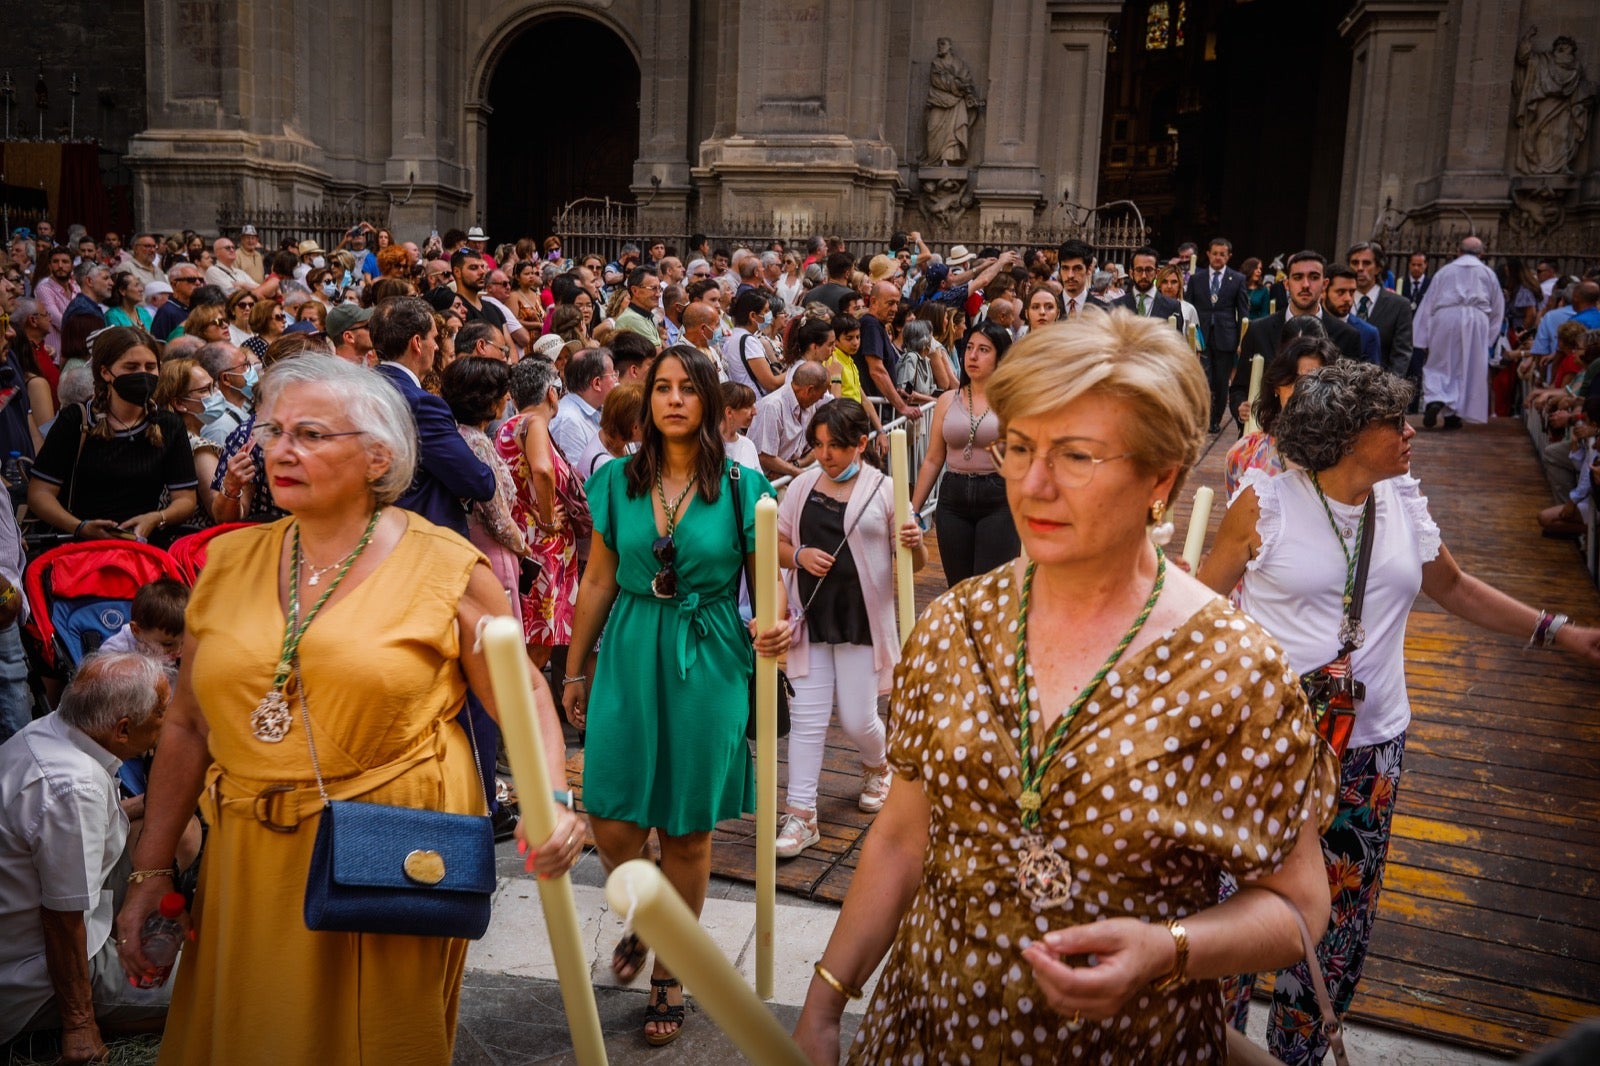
(377, 868)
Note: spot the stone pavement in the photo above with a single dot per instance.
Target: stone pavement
(511, 1013)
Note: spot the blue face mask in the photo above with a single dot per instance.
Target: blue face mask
(213, 407)
(252, 376)
(766, 322)
(847, 473)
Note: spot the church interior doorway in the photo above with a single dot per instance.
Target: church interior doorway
(1227, 117)
(565, 124)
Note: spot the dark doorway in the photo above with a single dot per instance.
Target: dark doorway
(1228, 118)
(565, 124)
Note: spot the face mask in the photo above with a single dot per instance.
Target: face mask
(252, 375)
(317, 262)
(213, 407)
(847, 474)
(329, 289)
(135, 388)
(766, 321)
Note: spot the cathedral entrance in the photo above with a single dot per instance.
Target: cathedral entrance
(565, 124)
(1227, 118)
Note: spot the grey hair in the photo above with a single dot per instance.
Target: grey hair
(83, 270)
(532, 380)
(1330, 407)
(217, 358)
(111, 686)
(1102, 281)
(917, 336)
(770, 259)
(76, 385)
(25, 306)
(373, 405)
(177, 349)
(1471, 245)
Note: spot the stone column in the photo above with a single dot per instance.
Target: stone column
(423, 167)
(1009, 184)
(1398, 52)
(1471, 117)
(661, 173)
(790, 150)
(1080, 31)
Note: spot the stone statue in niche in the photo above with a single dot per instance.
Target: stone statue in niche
(945, 196)
(952, 105)
(1554, 103)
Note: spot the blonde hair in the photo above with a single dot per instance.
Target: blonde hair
(1142, 361)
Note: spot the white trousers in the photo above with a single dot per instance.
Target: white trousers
(841, 672)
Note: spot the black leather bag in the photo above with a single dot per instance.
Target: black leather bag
(785, 689)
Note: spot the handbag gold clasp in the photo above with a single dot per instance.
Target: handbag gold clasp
(424, 867)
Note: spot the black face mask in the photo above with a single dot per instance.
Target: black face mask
(135, 388)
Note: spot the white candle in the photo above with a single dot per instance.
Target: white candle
(638, 890)
(519, 723)
(1258, 366)
(1272, 307)
(1199, 519)
(1194, 262)
(905, 592)
(766, 608)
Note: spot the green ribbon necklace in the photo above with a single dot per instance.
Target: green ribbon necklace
(271, 718)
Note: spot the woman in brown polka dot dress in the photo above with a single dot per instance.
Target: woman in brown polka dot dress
(1167, 741)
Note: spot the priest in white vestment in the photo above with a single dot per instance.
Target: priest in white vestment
(1458, 322)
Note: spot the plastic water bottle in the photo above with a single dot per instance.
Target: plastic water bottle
(160, 938)
(11, 471)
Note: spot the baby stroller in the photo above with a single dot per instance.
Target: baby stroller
(189, 552)
(81, 593)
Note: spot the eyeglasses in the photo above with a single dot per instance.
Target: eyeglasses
(244, 305)
(182, 281)
(1395, 422)
(665, 584)
(309, 438)
(1071, 467)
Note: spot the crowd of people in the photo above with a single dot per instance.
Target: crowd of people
(408, 439)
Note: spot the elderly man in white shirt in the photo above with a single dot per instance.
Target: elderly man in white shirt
(64, 859)
(590, 375)
(779, 428)
(227, 275)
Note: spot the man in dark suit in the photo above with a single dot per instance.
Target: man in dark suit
(1388, 313)
(1074, 265)
(1142, 298)
(1338, 296)
(406, 340)
(1303, 290)
(1415, 284)
(1223, 306)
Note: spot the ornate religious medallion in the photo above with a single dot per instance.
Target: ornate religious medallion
(270, 720)
(1043, 875)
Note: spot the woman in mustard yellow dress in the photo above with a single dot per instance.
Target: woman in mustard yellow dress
(387, 605)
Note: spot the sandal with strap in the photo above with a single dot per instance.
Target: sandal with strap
(627, 958)
(659, 1011)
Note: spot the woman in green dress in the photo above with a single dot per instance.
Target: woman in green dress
(667, 696)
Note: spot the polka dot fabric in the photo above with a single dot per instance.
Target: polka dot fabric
(1196, 754)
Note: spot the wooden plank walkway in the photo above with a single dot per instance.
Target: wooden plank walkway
(1487, 934)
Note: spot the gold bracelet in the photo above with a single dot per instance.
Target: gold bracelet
(837, 985)
(140, 876)
(1181, 936)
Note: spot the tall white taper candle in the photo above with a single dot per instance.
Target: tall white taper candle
(519, 723)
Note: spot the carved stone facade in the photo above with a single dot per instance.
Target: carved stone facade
(943, 116)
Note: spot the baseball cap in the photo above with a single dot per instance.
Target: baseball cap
(345, 317)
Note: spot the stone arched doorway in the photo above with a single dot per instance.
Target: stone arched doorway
(564, 124)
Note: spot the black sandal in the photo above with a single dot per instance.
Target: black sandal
(658, 1010)
(628, 958)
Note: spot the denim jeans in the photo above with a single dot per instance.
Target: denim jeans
(974, 524)
(16, 699)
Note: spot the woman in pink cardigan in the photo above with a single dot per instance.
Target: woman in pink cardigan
(836, 534)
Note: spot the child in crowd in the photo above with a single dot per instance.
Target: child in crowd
(738, 411)
(156, 628)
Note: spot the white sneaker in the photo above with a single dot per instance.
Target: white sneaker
(874, 790)
(796, 833)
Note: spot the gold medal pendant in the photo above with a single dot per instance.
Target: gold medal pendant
(1043, 875)
(270, 720)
